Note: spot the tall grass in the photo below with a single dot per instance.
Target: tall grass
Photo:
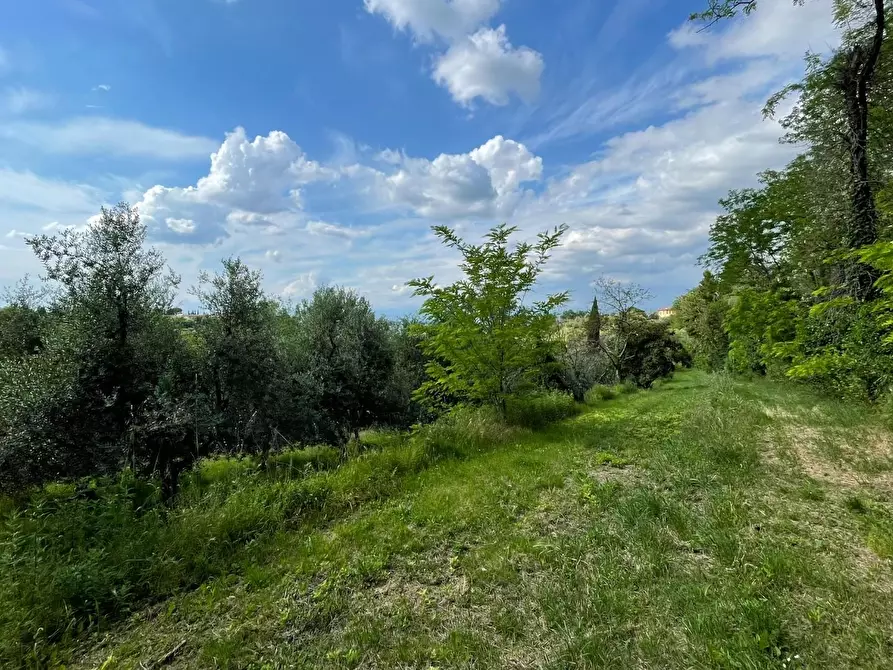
(71, 562)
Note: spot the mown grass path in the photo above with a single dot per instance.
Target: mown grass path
(706, 523)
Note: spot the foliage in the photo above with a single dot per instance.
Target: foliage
(22, 321)
(348, 355)
(700, 314)
(483, 342)
(636, 348)
(800, 277)
(538, 410)
(241, 353)
(109, 350)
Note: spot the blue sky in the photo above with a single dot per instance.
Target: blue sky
(321, 140)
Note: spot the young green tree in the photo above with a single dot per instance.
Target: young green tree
(484, 341)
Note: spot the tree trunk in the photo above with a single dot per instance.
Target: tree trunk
(856, 79)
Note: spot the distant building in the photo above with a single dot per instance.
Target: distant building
(665, 312)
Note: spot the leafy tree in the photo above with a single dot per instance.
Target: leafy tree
(623, 300)
(483, 341)
(108, 349)
(409, 373)
(239, 338)
(653, 351)
(22, 321)
(349, 357)
(701, 314)
(836, 108)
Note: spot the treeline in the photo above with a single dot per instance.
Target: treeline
(99, 373)
(799, 281)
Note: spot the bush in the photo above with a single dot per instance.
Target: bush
(537, 410)
(601, 392)
(627, 387)
(465, 430)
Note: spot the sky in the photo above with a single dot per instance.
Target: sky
(321, 141)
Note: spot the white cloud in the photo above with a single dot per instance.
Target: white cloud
(100, 135)
(20, 99)
(484, 182)
(332, 230)
(509, 164)
(302, 286)
(31, 203)
(102, 87)
(181, 225)
(26, 190)
(486, 65)
(767, 32)
(480, 61)
(251, 184)
(449, 19)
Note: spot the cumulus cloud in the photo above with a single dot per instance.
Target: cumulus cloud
(480, 61)
(250, 183)
(485, 65)
(484, 182)
(183, 226)
(301, 286)
(449, 19)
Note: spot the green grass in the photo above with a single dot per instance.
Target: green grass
(706, 523)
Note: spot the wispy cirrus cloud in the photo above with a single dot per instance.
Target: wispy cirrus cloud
(21, 99)
(105, 135)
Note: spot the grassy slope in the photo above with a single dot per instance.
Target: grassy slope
(707, 523)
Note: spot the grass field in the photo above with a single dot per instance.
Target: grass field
(709, 522)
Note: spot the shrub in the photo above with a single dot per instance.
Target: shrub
(465, 430)
(601, 392)
(627, 387)
(537, 410)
